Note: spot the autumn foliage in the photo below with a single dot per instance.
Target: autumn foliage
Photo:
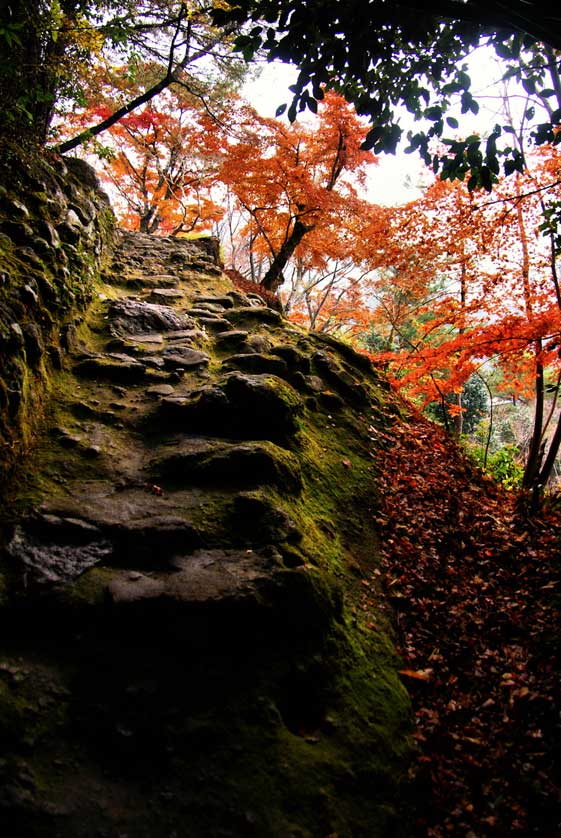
(437, 289)
(474, 586)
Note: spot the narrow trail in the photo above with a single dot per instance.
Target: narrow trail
(476, 587)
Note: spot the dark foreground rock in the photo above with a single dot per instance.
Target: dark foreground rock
(184, 654)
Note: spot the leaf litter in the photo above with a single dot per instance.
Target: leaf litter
(475, 584)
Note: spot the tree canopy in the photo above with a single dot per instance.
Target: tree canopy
(48, 49)
(386, 56)
(382, 56)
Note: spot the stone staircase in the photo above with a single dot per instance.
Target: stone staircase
(182, 567)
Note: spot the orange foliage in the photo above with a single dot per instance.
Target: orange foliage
(471, 279)
(298, 184)
(160, 166)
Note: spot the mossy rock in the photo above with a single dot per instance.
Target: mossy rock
(239, 405)
(194, 590)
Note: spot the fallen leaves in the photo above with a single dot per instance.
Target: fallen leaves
(416, 674)
(475, 588)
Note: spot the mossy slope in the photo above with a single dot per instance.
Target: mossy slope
(183, 557)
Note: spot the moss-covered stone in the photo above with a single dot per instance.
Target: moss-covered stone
(43, 278)
(184, 561)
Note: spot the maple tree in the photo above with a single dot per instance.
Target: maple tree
(298, 182)
(161, 165)
(497, 298)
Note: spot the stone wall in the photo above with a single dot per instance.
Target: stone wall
(56, 230)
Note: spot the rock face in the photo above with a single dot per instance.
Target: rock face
(55, 235)
(185, 648)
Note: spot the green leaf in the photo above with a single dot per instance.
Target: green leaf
(280, 110)
(464, 80)
(486, 178)
(433, 113)
(452, 122)
(373, 136)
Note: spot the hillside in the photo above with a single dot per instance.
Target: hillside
(183, 551)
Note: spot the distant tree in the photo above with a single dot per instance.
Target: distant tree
(298, 183)
(474, 403)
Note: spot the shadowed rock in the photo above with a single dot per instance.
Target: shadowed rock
(243, 406)
(204, 576)
(184, 356)
(54, 549)
(120, 369)
(255, 362)
(249, 464)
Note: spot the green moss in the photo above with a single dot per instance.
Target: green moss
(274, 714)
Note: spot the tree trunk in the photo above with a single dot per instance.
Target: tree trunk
(273, 279)
(27, 84)
(533, 460)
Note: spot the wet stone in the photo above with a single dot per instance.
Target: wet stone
(212, 308)
(204, 576)
(111, 369)
(131, 317)
(347, 387)
(260, 521)
(164, 295)
(184, 356)
(242, 405)
(254, 313)
(296, 360)
(244, 465)
(204, 312)
(233, 337)
(147, 338)
(160, 390)
(52, 549)
(154, 281)
(154, 362)
(258, 343)
(221, 301)
(255, 362)
(213, 323)
(188, 335)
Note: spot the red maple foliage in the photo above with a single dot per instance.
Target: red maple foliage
(240, 281)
